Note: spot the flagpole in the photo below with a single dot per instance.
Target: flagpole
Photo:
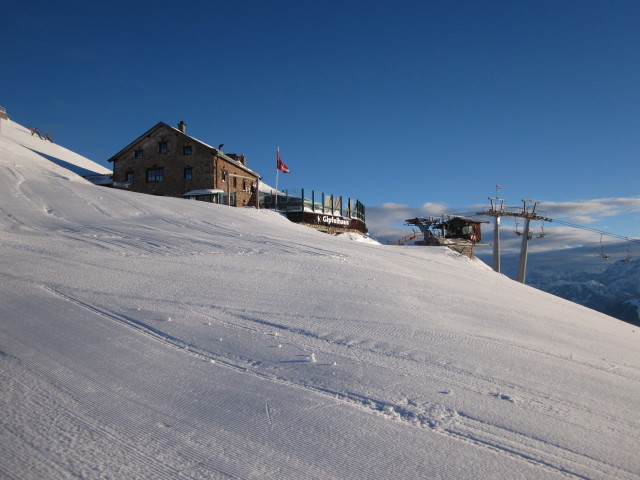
(277, 170)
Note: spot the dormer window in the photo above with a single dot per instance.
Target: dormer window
(162, 147)
(187, 150)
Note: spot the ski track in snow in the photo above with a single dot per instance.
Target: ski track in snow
(436, 417)
(60, 416)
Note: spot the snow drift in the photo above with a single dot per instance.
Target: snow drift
(150, 337)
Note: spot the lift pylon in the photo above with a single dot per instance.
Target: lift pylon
(527, 212)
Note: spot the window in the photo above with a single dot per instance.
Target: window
(187, 150)
(235, 182)
(244, 185)
(188, 173)
(129, 177)
(162, 147)
(138, 154)
(154, 175)
(224, 175)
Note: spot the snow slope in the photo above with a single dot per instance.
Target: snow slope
(582, 276)
(160, 338)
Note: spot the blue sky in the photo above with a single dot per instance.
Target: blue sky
(413, 107)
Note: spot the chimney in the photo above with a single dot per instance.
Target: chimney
(243, 159)
(182, 127)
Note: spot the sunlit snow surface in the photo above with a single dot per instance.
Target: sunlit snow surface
(160, 338)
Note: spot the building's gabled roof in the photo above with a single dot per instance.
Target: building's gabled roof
(213, 150)
(148, 132)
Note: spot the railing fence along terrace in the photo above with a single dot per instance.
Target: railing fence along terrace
(311, 201)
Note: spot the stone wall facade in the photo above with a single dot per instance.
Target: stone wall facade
(166, 161)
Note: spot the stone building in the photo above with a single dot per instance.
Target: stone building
(166, 161)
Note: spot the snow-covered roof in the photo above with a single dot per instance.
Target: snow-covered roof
(263, 187)
(203, 191)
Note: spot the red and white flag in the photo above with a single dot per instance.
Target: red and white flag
(280, 164)
(498, 187)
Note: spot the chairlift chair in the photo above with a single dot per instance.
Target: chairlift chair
(542, 234)
(517, 231)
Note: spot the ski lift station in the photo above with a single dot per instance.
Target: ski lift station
(463, 234)
(454, 231)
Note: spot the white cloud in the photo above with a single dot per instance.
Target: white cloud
(434, 208)
(582, 219)
(597, 206)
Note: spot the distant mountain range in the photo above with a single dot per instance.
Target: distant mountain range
(584, 278)
(616, 291)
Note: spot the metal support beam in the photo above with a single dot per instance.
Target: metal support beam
(522, 266)
(496, 245)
